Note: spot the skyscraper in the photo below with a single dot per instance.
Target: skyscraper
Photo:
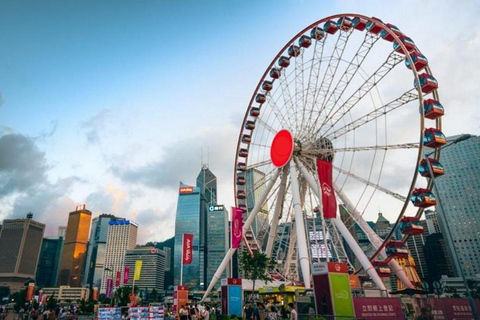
(458, 192)
(207, 183)
(47, 264)
(217, 218)
(20, 243)
(122, 236)
(187, 221)
(74, 249)
(95, 261)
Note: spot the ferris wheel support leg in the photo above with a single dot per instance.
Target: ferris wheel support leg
(276, 214)
(300, 226)
(374, 239)
(362, 258)
(246, 225)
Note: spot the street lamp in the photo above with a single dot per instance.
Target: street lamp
(448, 233)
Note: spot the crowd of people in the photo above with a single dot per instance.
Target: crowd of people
(270, 312)
(192, 312)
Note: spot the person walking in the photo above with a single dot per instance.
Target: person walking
(272, 314)
(293, 312)
(248, 311)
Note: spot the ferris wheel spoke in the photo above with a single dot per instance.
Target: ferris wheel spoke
(265, 125)
(370, 83)
(333, 63)
(381, 111)
(374, 185)
(350, 71)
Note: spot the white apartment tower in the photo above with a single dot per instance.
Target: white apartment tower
(122, 236)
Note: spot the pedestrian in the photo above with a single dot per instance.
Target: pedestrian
(21, 313)
(183, 313)
(206, 313)
(248, 311)
(272, 314)
(293, 312)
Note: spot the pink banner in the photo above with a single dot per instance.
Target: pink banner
(108, 294)
(457, 308)
(187, 253)
(237, 226)
(378, 308)
(118, 275)
(126, 274)
(329, 203)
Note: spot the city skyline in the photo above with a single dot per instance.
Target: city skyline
(112, 105)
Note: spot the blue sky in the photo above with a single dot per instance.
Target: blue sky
(113, 103)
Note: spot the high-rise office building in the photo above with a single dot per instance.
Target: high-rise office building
(436, 258)
(48, 262)
(20, 244)
(458, 209)
(95, 261)
(217, 236)
(74, 250)
(187, 221)
(152, 270)
(122, 236)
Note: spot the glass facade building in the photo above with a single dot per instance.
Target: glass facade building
(95, 261)
(458, 207)
(48, 262)
(187, 221)
(216, 240)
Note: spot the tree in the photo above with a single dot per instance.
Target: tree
(256, 266)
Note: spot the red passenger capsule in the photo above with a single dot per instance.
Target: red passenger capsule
(241, 194)
(240, 180)
(344, 23)
(427, 83)
(410, 226)
(437, 168)
(419, 61)
(242, 166)
(246, 138)
(396, 249)
(317, 33)
(294, 51)
(359, 23)
(267, 85)
(382, 269)
(407, 42)
(304, 41)
(254, 112)
(260, 98)
(432, 137)
(243, 153)
(330, 27)
(275, 73)
(284, 61)
(432, 109)
(423, 198)
(250, 125)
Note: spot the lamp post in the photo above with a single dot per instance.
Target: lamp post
(448, 233)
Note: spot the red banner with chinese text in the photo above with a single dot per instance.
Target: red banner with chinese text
(237, 226)
(187, 252)
(329, 203)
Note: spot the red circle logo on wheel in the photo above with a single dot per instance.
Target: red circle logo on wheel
(282, 148)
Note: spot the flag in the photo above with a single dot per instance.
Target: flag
(138, 269)
(329, 203)
(126, 274)
(237, 226)
(118, 275)
(187, 252)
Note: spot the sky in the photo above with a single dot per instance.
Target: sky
(113, 103)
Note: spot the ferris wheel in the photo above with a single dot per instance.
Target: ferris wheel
(335, 131)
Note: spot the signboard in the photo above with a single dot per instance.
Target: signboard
(183, 190)
(216, 208)
(378, 308)
(109, 313)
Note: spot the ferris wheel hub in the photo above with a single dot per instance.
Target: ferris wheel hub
(282, 148)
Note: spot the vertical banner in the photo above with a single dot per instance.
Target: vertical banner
(30, 289)
(138, 270)
(329, 203)
(187, 252)
(118, 275)
(108, 294)
(237, 226)
(126, 274)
